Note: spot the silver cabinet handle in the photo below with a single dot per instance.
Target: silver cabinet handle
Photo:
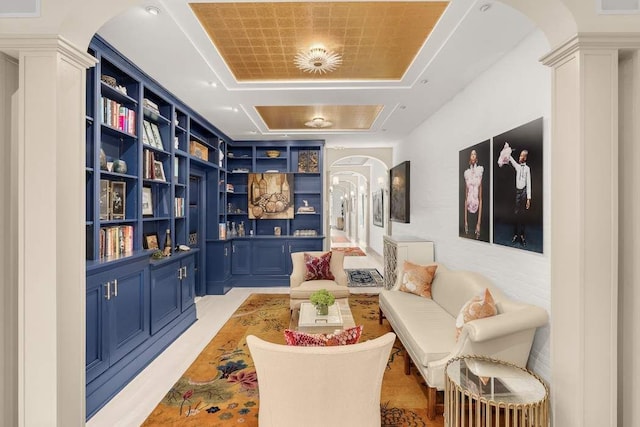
(289, 248)
(180, 273)
(185, 272)
(225, 252)
(282, 248)
(108, 293)
(234, 248)
(115, 288)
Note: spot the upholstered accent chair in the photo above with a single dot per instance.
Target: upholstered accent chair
(320, 386)
(302, 289)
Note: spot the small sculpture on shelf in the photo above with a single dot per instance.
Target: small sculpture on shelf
(306, 208)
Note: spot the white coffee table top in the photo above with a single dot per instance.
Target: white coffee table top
(310, 319)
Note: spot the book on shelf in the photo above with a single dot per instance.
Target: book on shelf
(118, 116)
(115, 241)
(150, 105)
(178, 208)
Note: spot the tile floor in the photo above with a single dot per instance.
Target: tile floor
(135, 402)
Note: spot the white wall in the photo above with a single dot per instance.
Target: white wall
(378, 172)
(514, 91)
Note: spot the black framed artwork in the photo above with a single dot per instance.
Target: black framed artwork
(399, 192)
(378, 208)
(518, 187)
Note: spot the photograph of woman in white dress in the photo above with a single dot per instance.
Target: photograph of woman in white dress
(474, 192)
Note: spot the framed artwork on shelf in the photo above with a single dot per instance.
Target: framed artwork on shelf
(378, 210)
(151, 241)
(147, 134)
(158, 171)
(308, 161)
(105, 189)
(147, 201)
(156, 141)
(399, 192)
(118, 199)
(270, 196)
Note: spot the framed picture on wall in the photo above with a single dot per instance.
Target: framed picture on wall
(378, 208)
(399, 192)
(474, 177)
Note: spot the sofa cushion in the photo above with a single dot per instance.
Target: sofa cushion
(417, 279)
(318, 268)
(421, 324)
(452, 289)
(303, 339)
(478, 307)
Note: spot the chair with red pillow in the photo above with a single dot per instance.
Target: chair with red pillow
(317, 270)
(336, 386)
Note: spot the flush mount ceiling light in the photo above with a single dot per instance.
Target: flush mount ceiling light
(318, 123)
(152, 10)
(317, 60)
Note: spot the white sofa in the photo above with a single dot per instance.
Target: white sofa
(427, 327)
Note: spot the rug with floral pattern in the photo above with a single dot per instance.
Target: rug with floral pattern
(220, 388)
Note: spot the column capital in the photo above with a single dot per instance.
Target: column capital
(591, 41)
(18, 44)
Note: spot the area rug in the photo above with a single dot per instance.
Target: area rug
(220, 388)
(339, 239)
(350, 251)
(364, 277)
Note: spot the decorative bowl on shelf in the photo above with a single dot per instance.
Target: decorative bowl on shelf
(273, 153)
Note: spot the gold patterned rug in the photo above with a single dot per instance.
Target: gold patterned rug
(220, 388)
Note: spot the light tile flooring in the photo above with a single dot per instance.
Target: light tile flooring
(135, 402)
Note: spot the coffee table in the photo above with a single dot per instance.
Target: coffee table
(305, 319)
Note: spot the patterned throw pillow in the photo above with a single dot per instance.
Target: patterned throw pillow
(416, 279)
(478, 307)
(348, 336)
(318, 268)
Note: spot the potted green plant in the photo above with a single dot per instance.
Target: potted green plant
(322, 299)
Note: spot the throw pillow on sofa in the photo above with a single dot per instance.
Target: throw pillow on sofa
(318, 268)
(417, 279)
(348, 336)
(478, 307)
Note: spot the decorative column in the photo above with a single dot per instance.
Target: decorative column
(584, 224)
(48, 216)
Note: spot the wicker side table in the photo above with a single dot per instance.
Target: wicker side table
(483, 392)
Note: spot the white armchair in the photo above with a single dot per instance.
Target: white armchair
(302, 289)
(320, 386)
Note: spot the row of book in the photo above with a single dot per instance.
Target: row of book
(118, 116)
(152, 168)
(117, 240)
(178, 207)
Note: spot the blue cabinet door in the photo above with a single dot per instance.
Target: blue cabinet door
(97, 343)
(128, 313)
(188, 281)
(241, 257)
(301, 245)
(166, 300)
(269, 257)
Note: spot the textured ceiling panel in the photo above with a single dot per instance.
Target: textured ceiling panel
(345, 117)
(377, 40)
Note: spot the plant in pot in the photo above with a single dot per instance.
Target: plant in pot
(322, 299)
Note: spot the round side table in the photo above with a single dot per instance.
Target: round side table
(484, 392)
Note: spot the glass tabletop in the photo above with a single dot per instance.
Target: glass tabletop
(496, 380)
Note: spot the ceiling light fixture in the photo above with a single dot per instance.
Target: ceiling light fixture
(317, 60)
(152, 10)
(318, 123)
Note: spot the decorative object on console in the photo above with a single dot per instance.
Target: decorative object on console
(322, 298)
(416, 279)
(399, 192)
(270, 196)
(168, 245)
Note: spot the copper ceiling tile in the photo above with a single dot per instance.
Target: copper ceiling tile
(343, 117)
(377, 40)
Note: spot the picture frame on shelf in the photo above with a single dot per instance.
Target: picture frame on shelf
(147, 134)
(105, 189)
(147, 201)
(308, 161)
(157, 138)
(118, 199)
(158, 171)
(151, 241)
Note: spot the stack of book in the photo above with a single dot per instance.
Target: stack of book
(115, 241)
